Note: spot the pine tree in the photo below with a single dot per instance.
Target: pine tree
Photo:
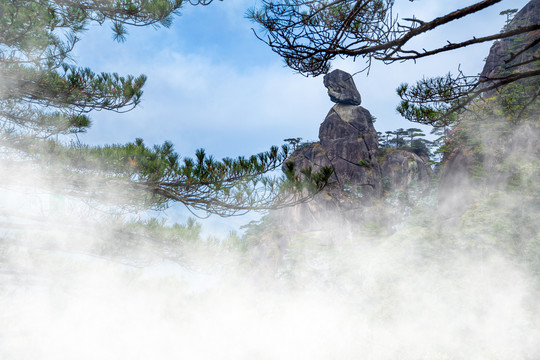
(44, 96)
(509, 13)
(412, 133)
(399, 140)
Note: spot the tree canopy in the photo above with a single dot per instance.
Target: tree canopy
(308, 35)
(44, 95)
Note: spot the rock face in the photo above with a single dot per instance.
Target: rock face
(496, 62)
(341, 88)
(455, 187)
(401, 169)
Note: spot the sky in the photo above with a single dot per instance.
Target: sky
(212, 84)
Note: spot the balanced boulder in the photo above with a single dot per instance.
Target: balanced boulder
(341, 88)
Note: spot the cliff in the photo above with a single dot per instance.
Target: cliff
(495, 145)
(515, 54)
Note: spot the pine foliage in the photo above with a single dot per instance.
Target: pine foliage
(43, 95)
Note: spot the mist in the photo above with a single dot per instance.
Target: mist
(75, 285)
(445, 271)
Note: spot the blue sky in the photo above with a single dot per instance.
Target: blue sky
(213, 85)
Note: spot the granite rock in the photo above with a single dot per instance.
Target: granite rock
(341, 88)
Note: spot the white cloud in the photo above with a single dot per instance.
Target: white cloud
(191, 100)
